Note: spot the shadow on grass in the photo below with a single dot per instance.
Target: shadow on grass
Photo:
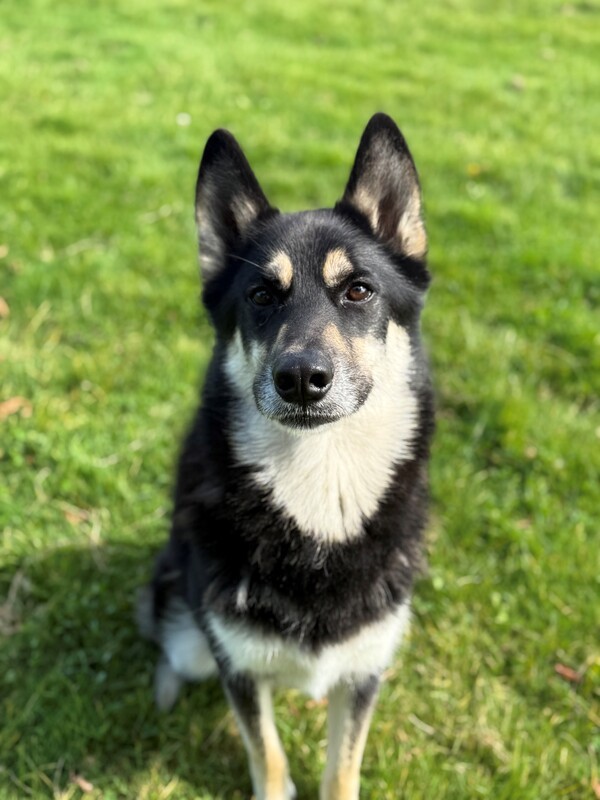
(76, 689)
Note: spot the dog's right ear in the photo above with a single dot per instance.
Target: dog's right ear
(228, 201)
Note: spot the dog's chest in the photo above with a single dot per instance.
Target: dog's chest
(329, 481)
(328, 486)
(287, 664)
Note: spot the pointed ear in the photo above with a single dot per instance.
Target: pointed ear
(228, 200)
(384, 187)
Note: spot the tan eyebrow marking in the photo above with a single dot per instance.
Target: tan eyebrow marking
(280, 268)
(337, 266)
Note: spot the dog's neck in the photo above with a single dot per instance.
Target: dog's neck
(331, 479)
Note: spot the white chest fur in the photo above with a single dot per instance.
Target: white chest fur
(331, 479)
(287, 664)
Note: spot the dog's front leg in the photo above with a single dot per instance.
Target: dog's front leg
(253, 707)
(350, 710)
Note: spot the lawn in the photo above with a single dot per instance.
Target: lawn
(104, 111)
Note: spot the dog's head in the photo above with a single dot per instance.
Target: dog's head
(305, 305)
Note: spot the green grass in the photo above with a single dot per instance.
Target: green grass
(105, 344)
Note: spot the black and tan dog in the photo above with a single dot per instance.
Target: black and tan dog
(301, 490)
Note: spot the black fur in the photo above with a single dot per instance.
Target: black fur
(313, 313)
(225, 529)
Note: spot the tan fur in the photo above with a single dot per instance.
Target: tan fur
(411, 230)
(410, 236)
(212, 252)
(280, 267)
(336, 267)
(268, 763)
(245, 212)
(366, 202)
(276, 770)
(364, 349)
(347, 740)
(334, 339)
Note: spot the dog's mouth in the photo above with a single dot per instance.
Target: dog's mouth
(306, 419)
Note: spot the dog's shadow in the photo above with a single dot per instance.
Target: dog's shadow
(77, 706)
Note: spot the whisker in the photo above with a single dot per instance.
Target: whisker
(247, 260)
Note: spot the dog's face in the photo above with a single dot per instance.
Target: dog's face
(303, 304)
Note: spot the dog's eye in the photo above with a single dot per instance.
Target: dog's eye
(358, 293)
(261, 297)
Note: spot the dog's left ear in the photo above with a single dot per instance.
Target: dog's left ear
(384, 187)
(228, 201)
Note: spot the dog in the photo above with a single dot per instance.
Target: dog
(301, 493)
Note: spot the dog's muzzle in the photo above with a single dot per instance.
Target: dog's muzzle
(303, 378)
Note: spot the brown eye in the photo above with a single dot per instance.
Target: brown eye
(358, 293)
(261, 297)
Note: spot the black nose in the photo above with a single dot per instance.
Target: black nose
(303, 378)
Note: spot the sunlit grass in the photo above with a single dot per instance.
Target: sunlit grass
(105, 109)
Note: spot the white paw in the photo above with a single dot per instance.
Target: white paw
(167, 685)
